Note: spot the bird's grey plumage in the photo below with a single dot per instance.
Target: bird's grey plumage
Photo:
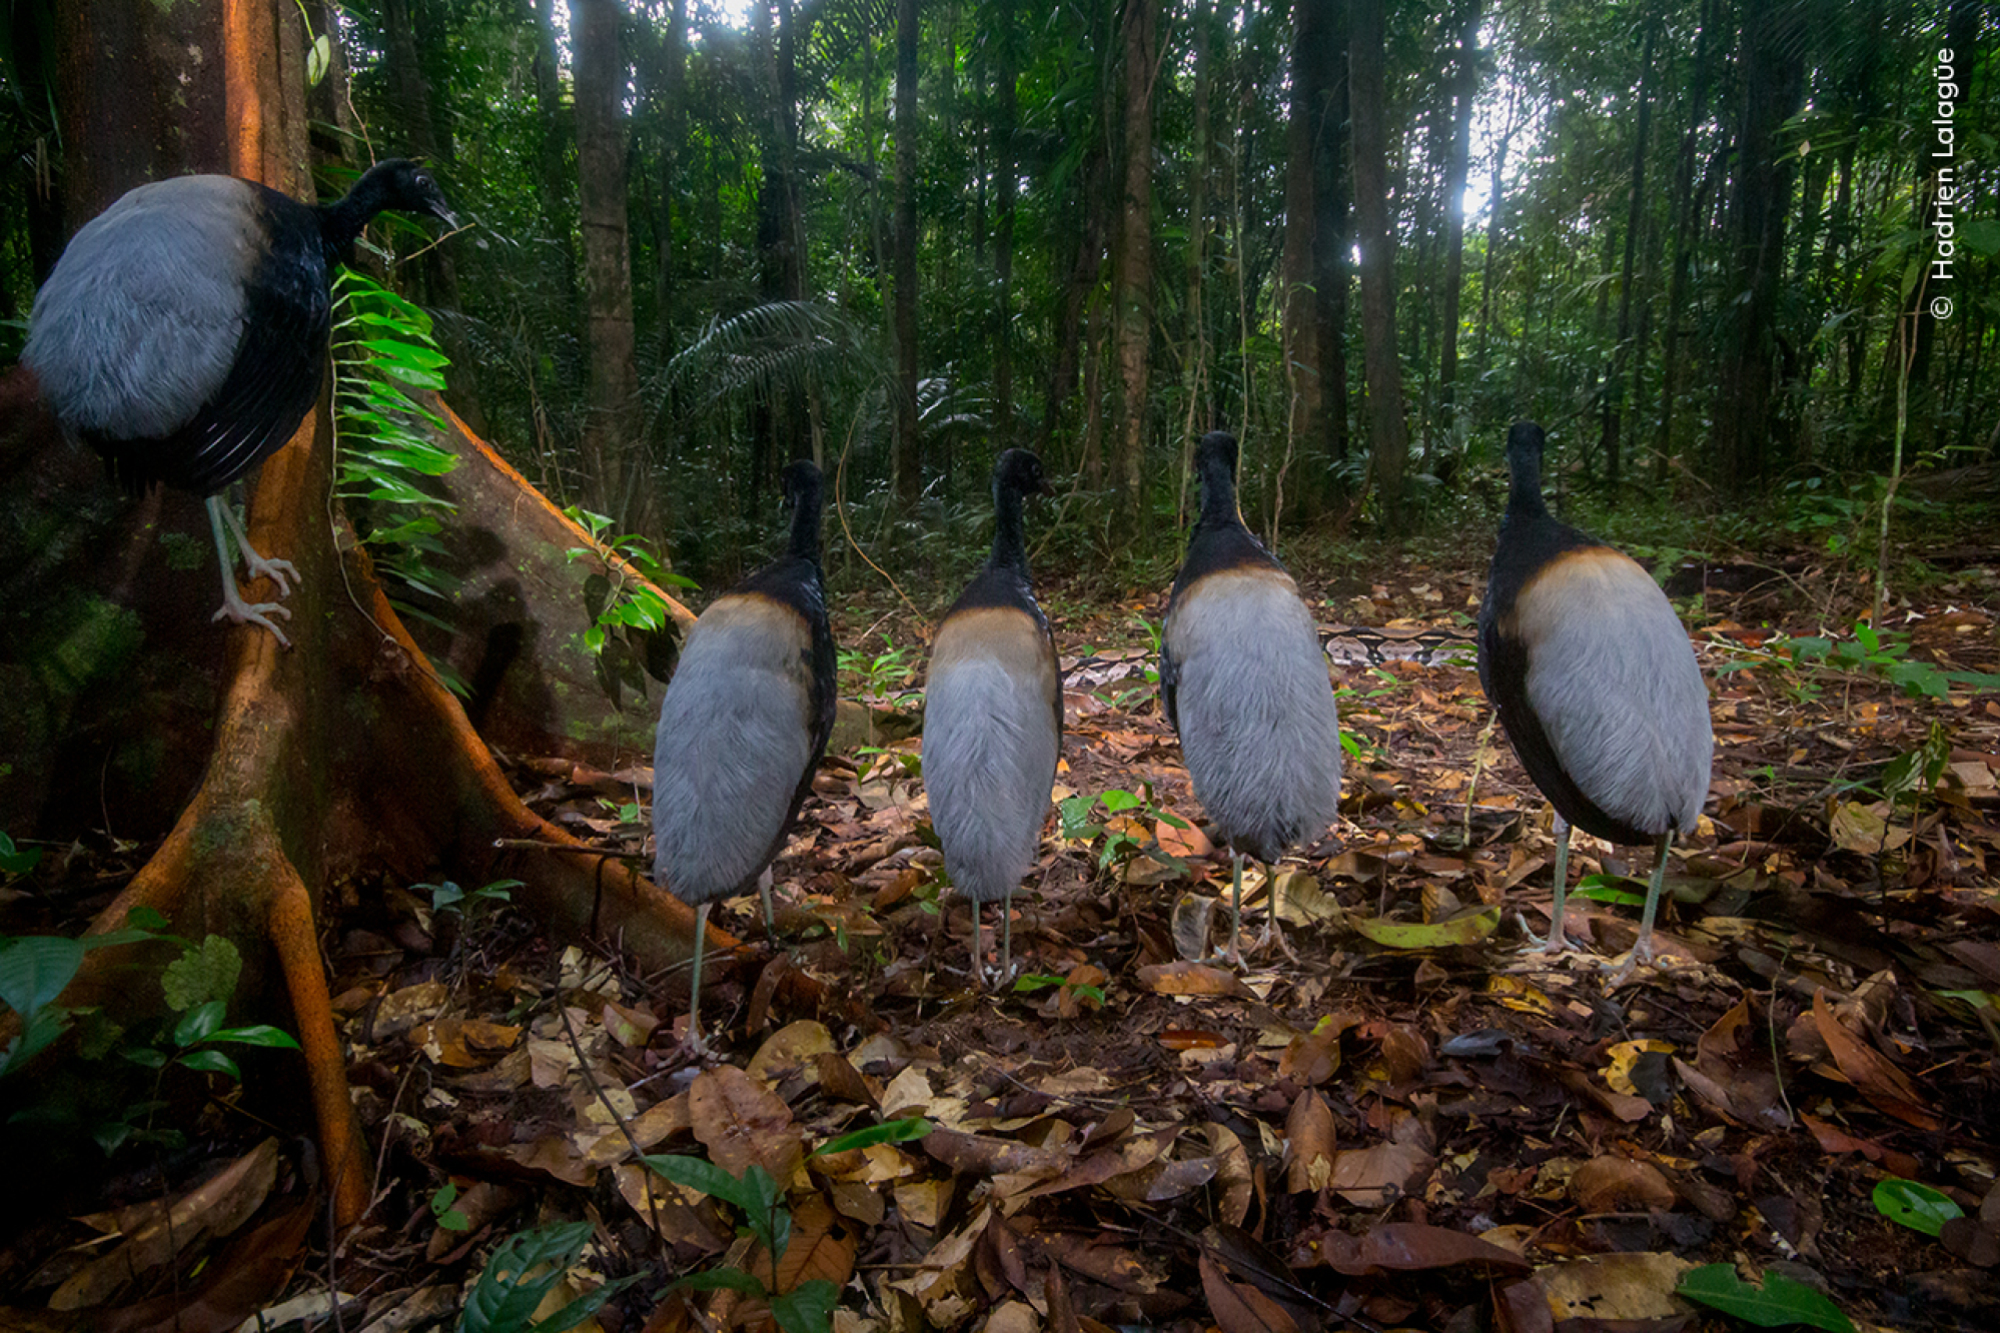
(1616, 687)
(736, 731)
(1255, 709)
(138, 326)
(990, 745)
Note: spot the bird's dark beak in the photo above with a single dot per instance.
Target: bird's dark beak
(1046, 488)
(445, 215)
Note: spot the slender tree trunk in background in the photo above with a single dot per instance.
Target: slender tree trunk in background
(1332, 204)
(1088, 209)
(1004, 172)
(1299, 303)
(618, 478)
(1635, 219)
(1773, 64)
(1132, 282)
(557, 195)
(1194, 331)
(906, 459)
(435, 272)
(1388, 436)
(1496, 199)
(673, 92)
(1465, 88)
(1684, 223)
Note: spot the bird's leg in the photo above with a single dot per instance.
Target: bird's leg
(1006, 939)
(1642, 948)
(1558, 939)
(234, 608)
(1274, 932)
(978, 950)
(764, 881)
(694, 1045)
(278, 571)
(1236, 910)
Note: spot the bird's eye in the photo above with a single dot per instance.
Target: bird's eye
(423, 181)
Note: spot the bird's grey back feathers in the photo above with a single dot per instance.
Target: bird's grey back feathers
(735, 737)
(990, 744)
(140, 322)
(1254, 705)
(1614, 683)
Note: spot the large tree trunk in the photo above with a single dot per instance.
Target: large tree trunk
(1132, 281)
(1773, 83)
(906, 458)
(1684, 230)
(1388, 437)
(343, 755)
(618, 474)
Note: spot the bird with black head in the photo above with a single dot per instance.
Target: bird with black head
(1596, 683)
(183, 335)
(743, 724)
(1246, 685)
(993, 716)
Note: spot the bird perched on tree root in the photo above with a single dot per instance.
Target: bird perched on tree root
(993, 716)
(183, 334)
(743, 724)
(1594, 679)
(1245, 683)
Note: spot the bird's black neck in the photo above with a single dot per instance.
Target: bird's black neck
(1010, 540)
(1524, 492)
(1218, 496)
(806, 505)
(341, 222)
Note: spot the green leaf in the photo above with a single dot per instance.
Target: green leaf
(36, 1034)
(1918, 1207)
(720, 1279)
(257, 1034)
(889, 1131)
(212, 1062)
(1779, 1302)
(318, 60)
(806, 1309)
(1117, 801)
(208, 972)
(708, 1178)
(1439, 935)
(504, 1299)
(199, 1024)
(14, 861)
(34, 970)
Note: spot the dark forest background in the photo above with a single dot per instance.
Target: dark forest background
(1700, 242)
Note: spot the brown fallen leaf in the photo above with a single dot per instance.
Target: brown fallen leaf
(216, 1207)
(1190, 978)
(1414, 1246)
(1884, 1085)
(790, 1051)
(978, 1155)
(242, 1281)
(1380, 1174)
(1523, 1307)
(1240, 1307)
(1610, 1184)
(1308, 1144)
(742, 1124)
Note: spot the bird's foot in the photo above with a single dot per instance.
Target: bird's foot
(240, 612)
(1556, 941)
(1274, 934)
(278, 571)
(1642, 952)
